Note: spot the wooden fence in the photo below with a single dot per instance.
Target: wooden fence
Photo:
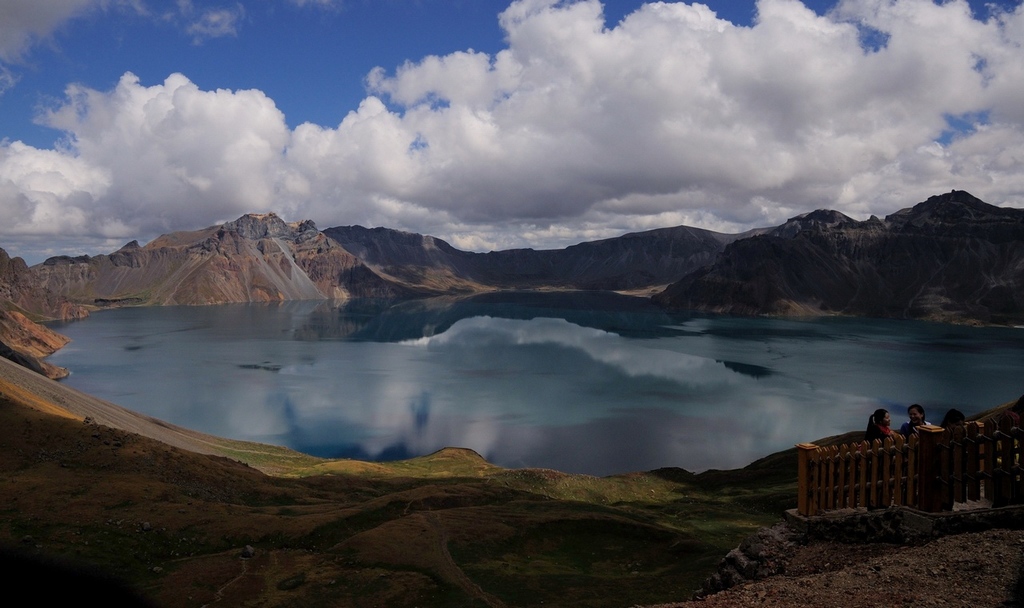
(931, 471)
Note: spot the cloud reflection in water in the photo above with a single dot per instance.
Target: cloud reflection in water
(533, 381)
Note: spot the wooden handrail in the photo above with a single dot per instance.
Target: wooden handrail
(933, 470)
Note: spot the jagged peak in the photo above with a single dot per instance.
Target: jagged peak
(302, 226)
(824, 216)
(819, 218)
(262, 225)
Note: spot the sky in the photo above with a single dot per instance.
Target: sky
(496, 124)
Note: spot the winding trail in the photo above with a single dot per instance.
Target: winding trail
(219, 594)
(451, 571)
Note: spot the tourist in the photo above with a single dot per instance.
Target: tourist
(953, 418)
(916, 414)
(878, 426)
(1015, 411)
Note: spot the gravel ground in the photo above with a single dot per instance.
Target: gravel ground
(974, 569)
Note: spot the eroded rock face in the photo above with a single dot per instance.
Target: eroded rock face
(261, 258)
(29, 337)
(21, 339)
(256, 258)
(26, 343)
(20, 291)
(952, 258)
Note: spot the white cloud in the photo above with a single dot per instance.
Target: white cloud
(210, 22)
(7, 79)
(575, 130)
(25, 22)
(47, 191)
(678, 106)
(321, 3)
(174, 154)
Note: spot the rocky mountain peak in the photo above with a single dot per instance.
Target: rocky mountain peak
(953, 207)
(820, 218)
(960, 213)
(255, 226)
(952, 258)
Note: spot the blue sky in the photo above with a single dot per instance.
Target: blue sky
(496, 124)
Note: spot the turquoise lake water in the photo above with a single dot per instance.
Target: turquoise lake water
(586, 383)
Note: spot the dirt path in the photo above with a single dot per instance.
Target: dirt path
(454, 573)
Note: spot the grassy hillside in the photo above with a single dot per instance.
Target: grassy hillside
(447, 529)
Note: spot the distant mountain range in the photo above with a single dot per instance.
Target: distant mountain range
(640, 260)
(260, 258)
(952, 258)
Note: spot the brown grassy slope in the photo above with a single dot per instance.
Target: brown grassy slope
(444, 530)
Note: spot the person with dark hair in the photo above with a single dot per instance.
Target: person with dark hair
(1016, 411)
(916, 414)
(878, 425)
(952, 418)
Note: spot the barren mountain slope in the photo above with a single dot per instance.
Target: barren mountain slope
(952, 258)
(257, 258)
(632, 261)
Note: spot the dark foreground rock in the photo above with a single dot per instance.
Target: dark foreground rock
(895, 557)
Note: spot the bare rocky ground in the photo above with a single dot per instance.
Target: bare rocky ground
(977, 569)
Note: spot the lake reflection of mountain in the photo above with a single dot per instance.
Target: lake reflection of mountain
(595, 383)
(384, 321)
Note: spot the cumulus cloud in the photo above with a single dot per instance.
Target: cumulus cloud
(170, 152)
(576, 130)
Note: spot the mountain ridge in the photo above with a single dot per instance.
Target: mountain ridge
(634, 260)
(256, 258)
(261, 258)
(952, 258)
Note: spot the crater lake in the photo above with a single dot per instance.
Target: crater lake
(593, 383)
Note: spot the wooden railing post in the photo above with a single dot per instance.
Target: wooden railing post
(803, 500)
(899, 497)
(929, 492)
(975, 463)
(1005, 480)
(912, 470)
(875, 490)
(989, 460)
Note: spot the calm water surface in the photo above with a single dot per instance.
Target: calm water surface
(590, 383)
